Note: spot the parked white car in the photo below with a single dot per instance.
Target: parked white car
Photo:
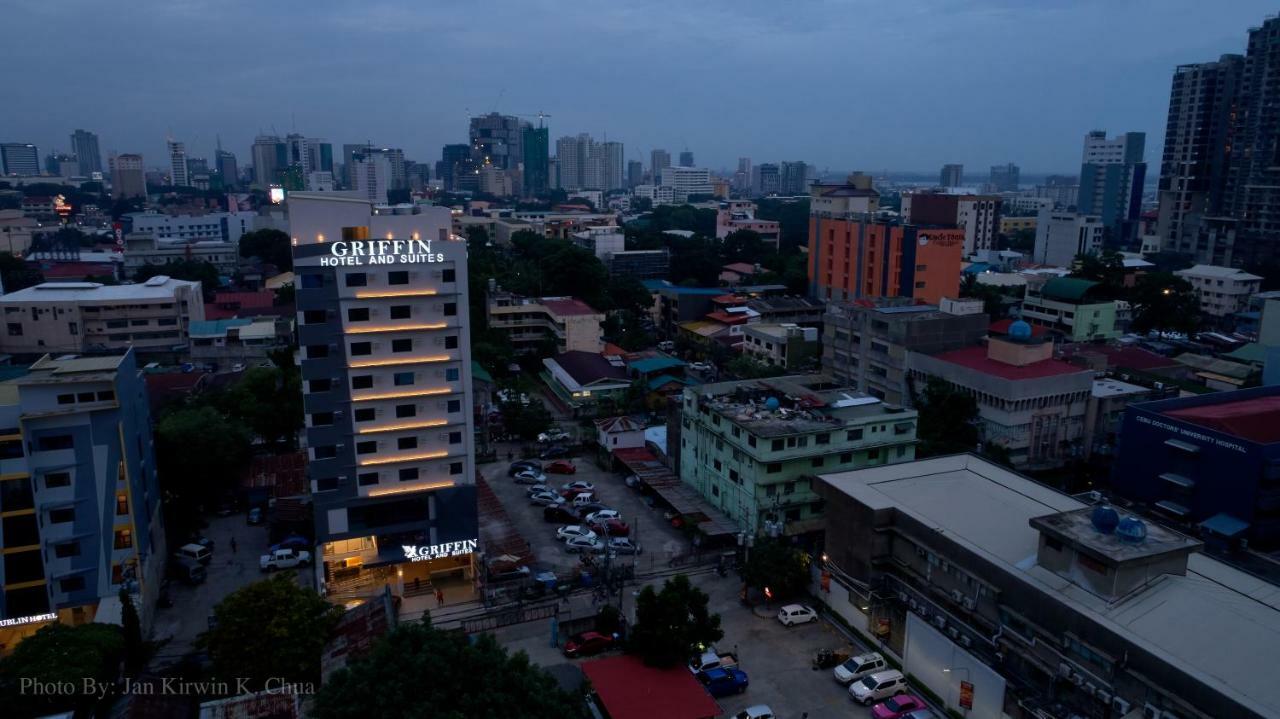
(584, 544)
(700, 366)
(574, 531)
(794, 614)
(858, 667)
(578, 485)
(603, 515)
(284, 559)
(544, 498)
(759, 711)
(528, 476)
(555, 434)
(623, 545)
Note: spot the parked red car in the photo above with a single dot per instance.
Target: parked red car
(561, 466)
(611, 528)
(574, 491)
(586, 644)
(898, 707)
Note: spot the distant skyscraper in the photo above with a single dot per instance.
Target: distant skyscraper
(951, 176)
(635, 173)
(535, 150)
(347, 152)
(179, 174)
(85, 146)
(1197, 155)
(227, 169)
(19, 158)
(742, 178)
(372, 173)
(658, 161)
(612, 166)
(582, 165)
(686, 158)
(496, 140)
(270, 158)
(1004, 178)
(768, 179)
(455, 161)
(128, 178)
(1111, 177)
(794, 179)
(1253, 183)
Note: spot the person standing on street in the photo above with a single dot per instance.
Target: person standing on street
(439, 597)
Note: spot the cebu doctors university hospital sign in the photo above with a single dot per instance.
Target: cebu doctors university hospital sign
(379, 252)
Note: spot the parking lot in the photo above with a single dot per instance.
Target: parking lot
(658, 541)
(179, 625)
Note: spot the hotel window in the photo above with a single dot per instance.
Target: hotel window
(56, 442)
(71, 584)
(366, 447)
(450, 309)
(314, 317)
(451, 342)
(66, 549)
(360, 349)
(455, 468)
(122, 504)
(451, 374)
(312, 281)
(124, 539)
(321, 419)
(319, 385)
(365, 415)
(402, 379)
(362, 381)
(399, 277)
(62, 516)
(408, 474)
(455, 438)
(407, 443)
(400, 312)
(455, 406)
(367, 478)
(402, 345)
(317, 351)
(327, 451)
(406, 410)
(358, 314)
(449, 275)
(357, 279)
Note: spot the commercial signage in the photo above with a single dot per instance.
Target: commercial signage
(966, 695)
(28, 619)
(425, 552)
(379, 252)
(1192, 434)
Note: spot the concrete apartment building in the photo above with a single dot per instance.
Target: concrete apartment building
(16, 231)
(79, 500)
(1223, 291)
(142, 249)
(1028, 402)
(780, 344)
(80, 317)
(1112, 173)
(213, 227)
(128, 177)
(977, 215)
(1069, 307)
(686, 181)
(532, 322)
(1051, 607)
(1061, 235)
(385, 357)
(734, 215)
(865, 343)
(751, 448)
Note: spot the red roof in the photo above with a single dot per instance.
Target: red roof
(728, 318)
(1001, 327)
(630, 690)
(975, 358)
(1132, 357)
(226, 305)
(77, 270)
(567, 307)
(1257, 420)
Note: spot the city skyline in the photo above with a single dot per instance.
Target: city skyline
(1115, 83)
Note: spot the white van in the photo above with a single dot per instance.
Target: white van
(859, 666)
(584, 499)
(874, 687)
(194, 552)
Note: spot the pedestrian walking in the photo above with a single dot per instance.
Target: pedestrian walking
(439, 597)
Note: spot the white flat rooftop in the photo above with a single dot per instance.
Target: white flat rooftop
(1215, 622)
(159, 287)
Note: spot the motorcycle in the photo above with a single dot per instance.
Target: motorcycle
(828, 658)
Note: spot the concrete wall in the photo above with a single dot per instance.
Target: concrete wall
(929, 651)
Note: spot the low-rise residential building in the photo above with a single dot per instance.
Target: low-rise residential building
(1070, 307)
(734, 215)
(750, 448)
(566, 324)
(865, 343)
(78, 317)
(79, 501)
(142, 249)
(214, 226)
(1030, 403)
(619, 433)
(587, 382)
(246, 341)
(1107, 403)
(601, 241)
(786, 345)
(17, 229)
(1051, 606)
(1010, 225)
(1061, 235)
(1223, 290)
(788, 309)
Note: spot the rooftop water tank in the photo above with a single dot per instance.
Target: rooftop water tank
(1020, 330)
(772, 404)
(1105, 518)
(1132, 530)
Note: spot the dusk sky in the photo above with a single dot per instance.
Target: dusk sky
(843, 85)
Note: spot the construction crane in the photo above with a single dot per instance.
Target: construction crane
(539, 114)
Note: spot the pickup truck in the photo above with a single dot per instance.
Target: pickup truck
(712, 659)
(284, 559)
(724, 681)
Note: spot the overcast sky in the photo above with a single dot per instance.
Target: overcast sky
(843, 84)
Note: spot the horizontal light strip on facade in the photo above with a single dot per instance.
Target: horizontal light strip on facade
(404, 458)
(397, 362)
(404, 395)
(394, 293)
(395, 328)
(402, 427)
(411, 488)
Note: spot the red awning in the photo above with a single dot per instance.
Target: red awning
(630, 690)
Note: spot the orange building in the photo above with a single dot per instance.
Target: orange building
(852, 256)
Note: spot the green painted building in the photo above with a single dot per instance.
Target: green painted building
(1071, 307)
(752, 448)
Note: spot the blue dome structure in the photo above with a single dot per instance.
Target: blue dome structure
(772, 404)
(1105, 518)
(1020, 330)
(1132, 530)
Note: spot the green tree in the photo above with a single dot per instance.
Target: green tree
(418, 671)
(268, 400)
(671, 623)
(777, 565)
(60, 653)
(992, 297)
(746, 367)
(1164, 301)
(1106, 269)
(17, 274)
(268, 245)
(200, 457)
(135, 650)
(525, 421)
(270, 629)
(743, 246)
(948, 420)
